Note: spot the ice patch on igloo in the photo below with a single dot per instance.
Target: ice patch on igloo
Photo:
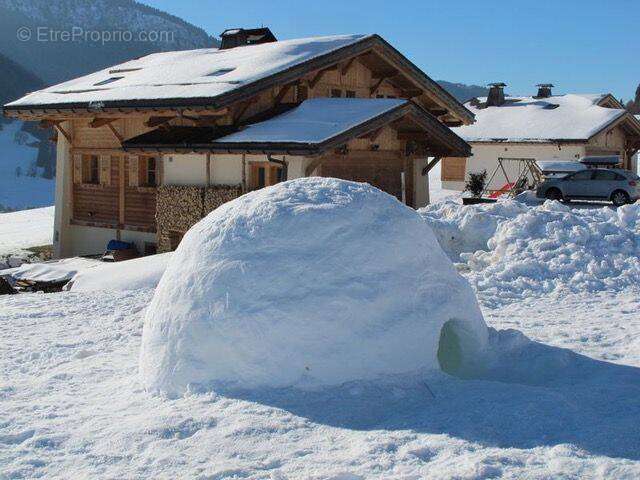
(311, 282)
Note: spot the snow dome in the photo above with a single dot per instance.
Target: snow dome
(311, 282)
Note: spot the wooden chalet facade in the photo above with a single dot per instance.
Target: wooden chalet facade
(140, 160)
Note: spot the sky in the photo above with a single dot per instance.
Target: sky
(584, 46)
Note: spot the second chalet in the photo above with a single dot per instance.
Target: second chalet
(147, 148)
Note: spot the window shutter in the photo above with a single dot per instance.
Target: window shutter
(160, 167)
(105, 170)
(133, 171)
(77, 168)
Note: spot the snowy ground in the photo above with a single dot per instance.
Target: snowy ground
(24, 229)
(19, 190)
(436, 192)
(72, 404)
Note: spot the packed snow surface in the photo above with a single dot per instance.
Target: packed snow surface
(510, 250)
(52, 271)
(315, 281)
(315, 120)
(24, 229)
(202, 73)
(564, 117)
(560, 402)
(144, 272)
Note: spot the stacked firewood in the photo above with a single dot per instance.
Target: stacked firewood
(179, 207)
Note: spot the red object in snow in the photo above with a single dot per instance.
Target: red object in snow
(505, 189)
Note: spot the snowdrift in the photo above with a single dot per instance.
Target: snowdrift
(509, 250)
(312, 282)
(144, 272)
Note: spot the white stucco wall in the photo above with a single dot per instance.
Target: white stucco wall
(485, 157)
(225, 169)
(184, 169)
(93, 241)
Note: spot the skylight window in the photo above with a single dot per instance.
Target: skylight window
(551, 106)
(124, 70)
(107, 81)
(220, 72)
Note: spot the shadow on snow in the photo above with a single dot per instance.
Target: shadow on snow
(522, 394)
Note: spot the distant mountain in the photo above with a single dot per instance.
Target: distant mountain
(44, 42)
(15, 80)
(62, 39)
(463, 92)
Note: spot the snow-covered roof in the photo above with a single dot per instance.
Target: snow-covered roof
(530, 119)
(202, 73)
(315, 125)
(314, 121)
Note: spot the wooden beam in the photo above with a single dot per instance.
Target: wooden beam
(318, 76)
(121, 184)
(430, 165)
(410, 93)
(101, 122)
(373, 136)
(438, 112)
(208, 166)
(281, 94)
(153, 122)
(243, 109)
(115, 132)
(376, 86)
(453, 123)
(347, 66)
(65, 133)
(416, 136)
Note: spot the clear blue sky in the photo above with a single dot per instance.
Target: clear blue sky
(584, 46)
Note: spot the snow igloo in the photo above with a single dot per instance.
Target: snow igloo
(312, 282)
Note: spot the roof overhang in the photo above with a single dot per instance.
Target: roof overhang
(440, 139)
(373, 43)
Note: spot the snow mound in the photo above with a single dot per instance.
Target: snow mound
(144, 272)
(312, 282)
(509, 250)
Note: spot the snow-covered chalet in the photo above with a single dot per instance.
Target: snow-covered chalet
(541, 127)
(145, 149)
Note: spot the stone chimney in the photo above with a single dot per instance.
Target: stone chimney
(496, 94)
(239, 37)
(544, 90)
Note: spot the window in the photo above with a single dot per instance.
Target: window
(391, 96)
(582, 175)
(222, 71)
(336, 93)
(262, 177)
(265, 174)
(90, 169)
(379, 96)
(604, 175)
(152, 172)
(107, 81)
(350, 94)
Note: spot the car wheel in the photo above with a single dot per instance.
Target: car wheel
(619, 198)
(553, 194)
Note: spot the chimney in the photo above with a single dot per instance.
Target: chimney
(496, 94)
(239, 37)
(544, 90)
